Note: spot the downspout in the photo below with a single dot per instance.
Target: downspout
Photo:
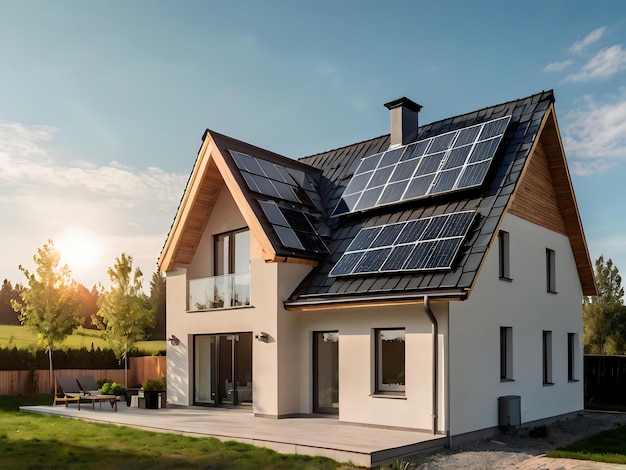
(435, 366)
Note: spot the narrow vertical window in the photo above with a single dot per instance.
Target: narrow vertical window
(506, 353)
(571, 356)
(504, 255)
(547, 357)
(551, 270)
(390, 360)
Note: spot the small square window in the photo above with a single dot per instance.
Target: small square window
(390, 355)
(551, 270)
(504, 265)
(547, 357)
(506, 353)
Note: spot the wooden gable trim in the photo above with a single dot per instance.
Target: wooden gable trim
(551, 141)
(194, 210)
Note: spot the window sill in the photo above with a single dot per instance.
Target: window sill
(552, 292)
(507, 380)
(507, 279)
(392, 395)
(548, 384)
(218, 309)
(573, 380)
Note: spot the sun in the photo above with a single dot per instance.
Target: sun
(79, 249)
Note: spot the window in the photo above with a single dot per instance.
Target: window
(506, 353)
(504, 255)
(390, 360)
(572, 348)
(232, 252)
(547, 357)
(551, 270)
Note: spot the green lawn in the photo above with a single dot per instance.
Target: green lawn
(21, 337)
(607, 446)
(32, 441)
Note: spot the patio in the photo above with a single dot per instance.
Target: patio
(362, 445)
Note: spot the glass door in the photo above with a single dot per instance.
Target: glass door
(326, 372)
(223, 369)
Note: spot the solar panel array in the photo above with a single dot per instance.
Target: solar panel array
(294, 228)
(427, 244)
(445, 163)
(274, 180)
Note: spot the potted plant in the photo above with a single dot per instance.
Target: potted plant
(154, 393)
(113, 388)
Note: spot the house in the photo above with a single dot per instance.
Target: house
(428, 279)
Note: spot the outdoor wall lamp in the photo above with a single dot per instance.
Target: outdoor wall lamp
(174, 341)
(262, 336)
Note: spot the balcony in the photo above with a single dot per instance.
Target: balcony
(228, 291)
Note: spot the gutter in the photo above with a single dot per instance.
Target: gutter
(435, 365)
(318, 300)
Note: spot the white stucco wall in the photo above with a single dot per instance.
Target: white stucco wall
(524, 305)
(356, 327)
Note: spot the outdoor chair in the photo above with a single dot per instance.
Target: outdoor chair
(69, 391)
(88, 385)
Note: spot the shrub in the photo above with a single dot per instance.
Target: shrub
(154, 385)
(113, 388)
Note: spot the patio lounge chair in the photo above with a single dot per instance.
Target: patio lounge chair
(72, 392)
(88, 385)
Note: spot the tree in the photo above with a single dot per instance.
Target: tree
(8, 316)
(157, 304)
(124, 309)
(604, 316)
(48, 305)
(88, 300)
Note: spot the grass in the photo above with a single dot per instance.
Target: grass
(607, 446)
(32, 441)
(21, 337)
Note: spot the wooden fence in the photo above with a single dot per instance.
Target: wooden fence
(30, 382)
(605, 380)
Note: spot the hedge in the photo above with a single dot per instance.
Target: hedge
(24, 359)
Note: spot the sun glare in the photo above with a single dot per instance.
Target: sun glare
(79, 249)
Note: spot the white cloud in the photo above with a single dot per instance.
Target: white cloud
(594, 135)
(558, 66)
(604, 64)
(129, 210)
(591, 38)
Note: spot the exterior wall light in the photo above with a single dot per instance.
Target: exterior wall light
(262, 336)
(174, 341)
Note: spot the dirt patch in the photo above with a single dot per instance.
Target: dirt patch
(506, 451)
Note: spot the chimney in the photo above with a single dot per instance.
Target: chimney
(403, 121)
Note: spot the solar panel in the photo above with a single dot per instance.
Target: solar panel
(273, 180)
(294, 228)
(427, 244)
(441, 164)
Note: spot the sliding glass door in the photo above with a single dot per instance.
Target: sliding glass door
(326, 372)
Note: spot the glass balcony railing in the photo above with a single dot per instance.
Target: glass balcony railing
(228, 291)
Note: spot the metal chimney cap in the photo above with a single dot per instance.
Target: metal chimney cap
(405, 102)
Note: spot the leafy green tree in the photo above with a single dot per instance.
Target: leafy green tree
(157, 304)
(88, 300)
(48, 306)
(124, 312)
(604, 316)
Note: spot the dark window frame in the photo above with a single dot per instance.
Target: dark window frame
(546, 347)
(506, 354)
(504, 256)
(572, 343)
(229, 264)
(551, 271)
(380, 386)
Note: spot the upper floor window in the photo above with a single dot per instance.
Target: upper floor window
(504, 255)
(232, 252)
(551, 270)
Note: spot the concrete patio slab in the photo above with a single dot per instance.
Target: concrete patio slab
(362, 445)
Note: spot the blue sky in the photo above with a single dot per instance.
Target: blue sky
(103, 104)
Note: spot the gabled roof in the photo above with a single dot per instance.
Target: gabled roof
(287, 205)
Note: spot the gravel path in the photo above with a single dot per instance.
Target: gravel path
(510, 452)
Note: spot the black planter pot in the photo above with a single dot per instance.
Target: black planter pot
(155, 399)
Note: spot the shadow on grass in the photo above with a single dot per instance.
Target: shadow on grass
(607, 446)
